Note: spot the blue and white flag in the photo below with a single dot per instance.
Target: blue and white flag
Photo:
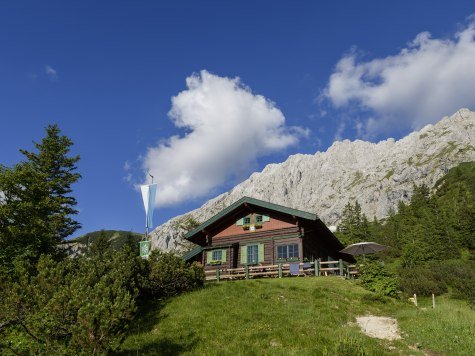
(148, 195)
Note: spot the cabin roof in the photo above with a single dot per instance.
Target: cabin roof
(192, 253)
(253, 202)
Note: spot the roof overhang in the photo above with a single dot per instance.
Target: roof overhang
(190, 254)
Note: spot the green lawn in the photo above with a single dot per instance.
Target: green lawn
(449, 328)
(292, 316)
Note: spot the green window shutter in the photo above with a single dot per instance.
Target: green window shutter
(248, 218)
(209, 256)
(265, 218)
(240, 222)
(260, 251)
(224, 252)
(243, 255)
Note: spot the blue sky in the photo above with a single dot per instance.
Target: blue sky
(309, 73)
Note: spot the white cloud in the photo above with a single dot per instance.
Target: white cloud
(51, 73)
(339, 131)
(423, 82)
(227, 129)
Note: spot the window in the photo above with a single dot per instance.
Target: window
(217, 255)
(252, 253)
(294, 250)
(287, 251)
(247, 221)
(258, 218)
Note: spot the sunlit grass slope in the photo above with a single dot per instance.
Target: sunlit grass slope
(448, 329)
(304, 316)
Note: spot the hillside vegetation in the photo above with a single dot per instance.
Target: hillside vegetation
(117, 238)
(431, 239)
(294, 316)
(83, 305)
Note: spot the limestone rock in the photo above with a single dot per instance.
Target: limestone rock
(378, 175)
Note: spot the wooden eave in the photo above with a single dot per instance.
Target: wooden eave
(192, 253)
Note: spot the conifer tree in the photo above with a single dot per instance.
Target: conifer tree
(36, 207)
(131, 242)
(58, 170)
(354, 226)
(100, 245)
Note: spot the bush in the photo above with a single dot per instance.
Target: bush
(170, 275)
(421, 280)
(106, 288)
(465, 290)
(376, 278)
(83, 305)
(460, 275)
(437, 276)
(451, 271)
(76, 306)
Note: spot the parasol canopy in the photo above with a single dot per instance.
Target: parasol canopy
(363, 248)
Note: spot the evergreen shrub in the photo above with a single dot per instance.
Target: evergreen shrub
(421, 280)
(460, 276)
(377, 278)
(75, 306)
(84, 305)
(437, 277)
(170, 275)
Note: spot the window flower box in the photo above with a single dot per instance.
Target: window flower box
(290, 259)
(246, 227)
(215, 262)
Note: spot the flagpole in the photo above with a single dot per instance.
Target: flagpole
(148, 196)
(146, 228)
(146, 216)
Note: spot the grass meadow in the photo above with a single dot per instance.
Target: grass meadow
(295, 316)
(448, 329)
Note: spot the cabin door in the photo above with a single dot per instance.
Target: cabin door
(234, 256)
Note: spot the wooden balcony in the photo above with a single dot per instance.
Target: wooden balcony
(289, 269)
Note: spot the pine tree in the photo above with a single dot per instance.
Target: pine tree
(131, 242)
(354, 226)
(58, 170)
(36, 208)
(100, 245)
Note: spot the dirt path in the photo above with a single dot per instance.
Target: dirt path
(379, 327)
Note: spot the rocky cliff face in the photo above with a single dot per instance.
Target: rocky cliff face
(378, 175)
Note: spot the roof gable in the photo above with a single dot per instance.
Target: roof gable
(254, 202)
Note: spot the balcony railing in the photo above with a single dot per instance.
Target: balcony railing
(316, 268)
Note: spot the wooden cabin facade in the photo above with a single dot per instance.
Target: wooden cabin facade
(255, 232)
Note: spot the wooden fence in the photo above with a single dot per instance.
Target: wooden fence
(316, 268)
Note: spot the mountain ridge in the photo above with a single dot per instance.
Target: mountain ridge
(378, 175)
(117, 239)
